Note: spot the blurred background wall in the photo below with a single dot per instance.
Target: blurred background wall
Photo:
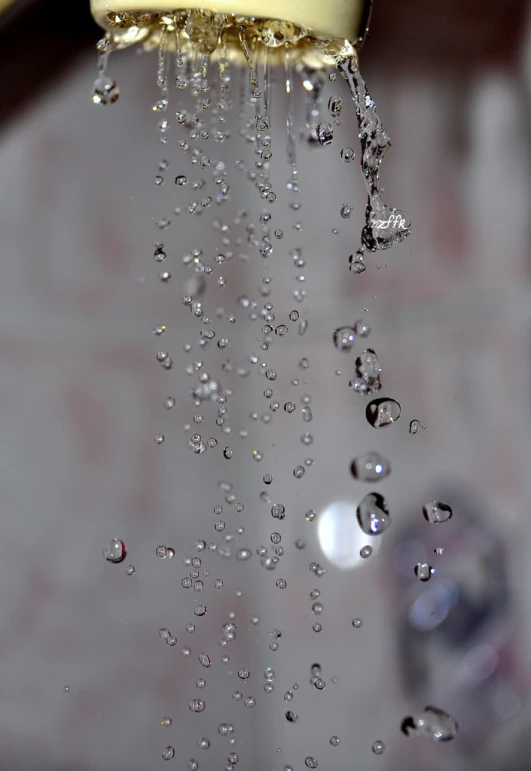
(81, 398)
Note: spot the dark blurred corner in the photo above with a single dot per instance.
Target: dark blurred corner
(39, 40)
(457, 35)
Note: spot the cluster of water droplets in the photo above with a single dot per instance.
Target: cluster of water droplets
(205, 94)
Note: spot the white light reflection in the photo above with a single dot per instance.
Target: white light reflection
(340, 536)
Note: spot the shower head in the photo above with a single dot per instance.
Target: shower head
(316, 29)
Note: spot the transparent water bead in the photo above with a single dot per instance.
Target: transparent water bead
(383, 412)
(105, 90)
(373, 514)
(168, 753)
(347, 154)
(433, 723)
(371, 467)
(310, 762)
(368, 370)
(325, 133)
(356, 263)
(437, 512)
(115, 551)
(423, 571)
(378, 747)
(344, 339)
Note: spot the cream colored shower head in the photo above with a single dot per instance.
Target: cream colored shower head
(331, 27)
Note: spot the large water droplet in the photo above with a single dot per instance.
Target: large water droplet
(105, 90)
(325, 133)
(368, 369)
(373, 514)
(383, 412)
(371, 467)
(423, 571)
(433, 723)
(115, 551)
(437, 512)
(344, 339)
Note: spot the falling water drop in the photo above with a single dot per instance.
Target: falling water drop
(383, 412)
(115, 551)
(105, 90)
(437, 512)
(423, 571)
(373, 514)
(344, 339)
(371, 467)
(433, 723)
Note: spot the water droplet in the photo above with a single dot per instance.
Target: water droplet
(281, 330)
(362, 328)
(433, 723)
(378, 747)
(368, 369)
(131, 570)
(66, 688)
(414, 427)
(290, 407)
(344, 339)
(371, 467)
(383, 412)
(294, 316)
(365, 552)
(310, 762)
(278, 511)
(203, 743)
(373, 514)
(166, 722)
(281, 583)
(105, 90)
(335, 105)
(204, 659)
(244, 554)
(347, 154)
(115, 551)
(437, 512)
(299, 472)
(196, 705)
(325, 133)
(357, 623)
(346, 210)
(334, 741)
(423, 571)
(357, 263)
(181, 180)
(291, 716)
(159, 439)
(168, 753)
(228, 453)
